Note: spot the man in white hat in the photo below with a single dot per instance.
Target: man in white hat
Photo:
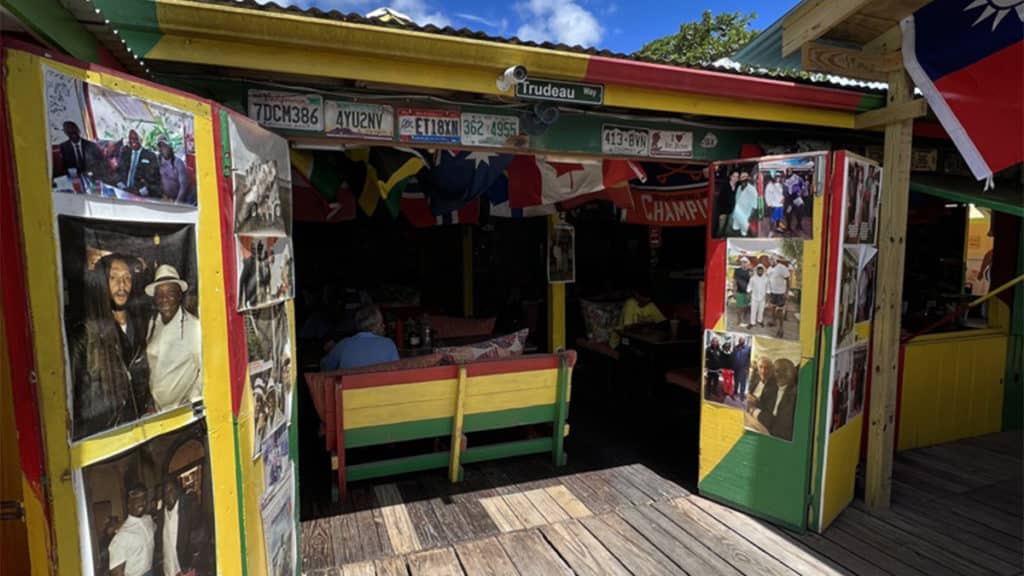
(173, 348)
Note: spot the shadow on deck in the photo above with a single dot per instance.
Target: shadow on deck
(956, 510)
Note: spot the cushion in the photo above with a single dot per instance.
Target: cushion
(501, 347)
(600, 318)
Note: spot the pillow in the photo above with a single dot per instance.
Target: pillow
(501, 347)
(600, 319)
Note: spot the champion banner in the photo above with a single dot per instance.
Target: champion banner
(967, 58)
(668, 209)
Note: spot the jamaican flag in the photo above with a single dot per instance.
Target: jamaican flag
(379, 174)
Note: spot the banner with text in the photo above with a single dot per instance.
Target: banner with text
(668, 209)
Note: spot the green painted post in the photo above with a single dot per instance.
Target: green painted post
(561, 412)
(1013, 382)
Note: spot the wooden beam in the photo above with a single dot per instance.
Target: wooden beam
(890, 114)
(892, 229)
(890, 41)
(807, 25)
(818, 57)
(556, 302)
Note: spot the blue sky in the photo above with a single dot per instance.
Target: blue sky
(618, 25)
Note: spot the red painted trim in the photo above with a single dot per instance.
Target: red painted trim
(521, 364)
(331, 386)
(604, 70)
(339, 428)
(17, 327)
(714, 264)
(831, 258)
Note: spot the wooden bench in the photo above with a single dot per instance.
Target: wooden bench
(379, 408)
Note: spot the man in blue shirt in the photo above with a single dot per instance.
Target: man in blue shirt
(365, 348)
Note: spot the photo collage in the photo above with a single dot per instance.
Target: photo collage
(262, 192)
(764, 210)
(123, 175)
(856, 279)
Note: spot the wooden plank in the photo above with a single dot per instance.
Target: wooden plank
(467, 497)
(892, 223)
(897, 112)
(392, 566)
(455, 463)
(363, 498)
(340, 537)
(893, 543)
(889, 41)
(680, 547)
(569, 503)
(501, 514)
(1005, 443)
(585, 494)
(746, 557)
(664, 486)
(359, 569)
(929, 511)
(437, 562)
(965, 475)
(485, 557)
(815, 21)
(396, 518)
(546, 505)
(617, 480)
(421, 512)
(852, 63)
(849, 562)
(317, 547)
(996, 519)
(975, 461)
(524, 510)
(584, 554)
(766, 538)
(1003, 495)
(869, 552)
(967, 532)
(455, 523)
(638, 555)
(531, 554)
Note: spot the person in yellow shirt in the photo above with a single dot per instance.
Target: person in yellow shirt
(639, 309)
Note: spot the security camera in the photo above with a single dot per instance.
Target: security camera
(510, 77)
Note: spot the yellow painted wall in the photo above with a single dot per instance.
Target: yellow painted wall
(952, 387)
(24, 88)
(841, 469)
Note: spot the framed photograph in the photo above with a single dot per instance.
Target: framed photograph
(266, 273)
(277, 465)
(863, 195)
(562, 254)
(150, 510)
(774, 383)
(727, 357)
(115, 145)
(847, 297)
(131, 316)
(268, 340)
(849, 376)
(734, 198)
(771, 199)
(261, 178)
(762, 288)
(278, 514)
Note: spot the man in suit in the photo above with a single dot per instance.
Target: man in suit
(138, 169)
(183, 532)
(79, 154)
(776, 407)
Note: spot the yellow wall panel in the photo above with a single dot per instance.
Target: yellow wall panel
(841, 469)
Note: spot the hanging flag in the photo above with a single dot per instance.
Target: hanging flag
(456, 178)
(535, 180)
(309, 205)
(967, 58)
(669, 209)
(374, 173)
(505, 210)
(671, 177)
(417, 210)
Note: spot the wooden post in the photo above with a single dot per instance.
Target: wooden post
(556, 303)
(455, 463)
(889, 301)
(561, 412)
(467, 271)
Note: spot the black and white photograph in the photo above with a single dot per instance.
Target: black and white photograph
(863, 195)
(131, 315)
(268, 340)
(762, 288)
(849, 376)
(727, 357)
(114, 145)
(277, 466)
(261, 177)
(866, 285)
(265, 271)
(149, 510)
(278, 514)
(847, 297)
(562, 254)
(774, 383)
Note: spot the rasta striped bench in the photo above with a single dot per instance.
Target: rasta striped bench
(377, 408)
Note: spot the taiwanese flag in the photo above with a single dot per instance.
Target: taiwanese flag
(967, 58)
(534, 180)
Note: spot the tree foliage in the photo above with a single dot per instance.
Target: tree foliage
(712, 37)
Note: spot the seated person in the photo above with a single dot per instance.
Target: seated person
(367, 347)
(639, 309)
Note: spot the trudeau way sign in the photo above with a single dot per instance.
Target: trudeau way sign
(554, 91)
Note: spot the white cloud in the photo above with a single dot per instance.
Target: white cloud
(564, 22)
(499, 25)
(611, 8)
(420, 11)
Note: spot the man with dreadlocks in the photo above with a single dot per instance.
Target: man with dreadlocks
(108, 360)
(173, 350)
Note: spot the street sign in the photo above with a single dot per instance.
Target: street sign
(488, 129)
(288, 110)
(352, 120)
(555, 91)
(625, 141)
(430, 126)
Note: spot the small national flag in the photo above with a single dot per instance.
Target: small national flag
(375, 172)
(456, 178)
(417, 210)
(967, 58)
(535, 180)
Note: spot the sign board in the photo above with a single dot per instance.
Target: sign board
(671, 144)
(625, 141)
(352, 120)
(430, 126)
(668, 209)
(924, 159)
(288, 110)
(554, 91)
(488, 129)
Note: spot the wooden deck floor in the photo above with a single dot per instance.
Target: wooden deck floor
(957, 510)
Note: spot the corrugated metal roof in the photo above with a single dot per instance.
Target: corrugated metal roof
(397, 23)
